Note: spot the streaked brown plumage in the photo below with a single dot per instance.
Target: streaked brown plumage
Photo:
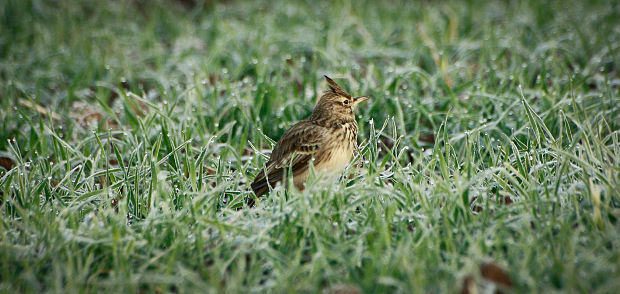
(329, 136)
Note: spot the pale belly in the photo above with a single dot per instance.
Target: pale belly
(329, 168)
(337, 161)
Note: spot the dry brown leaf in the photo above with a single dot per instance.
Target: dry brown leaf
(492, 278)
(7, 163)
(493, 272)
(468, 286)
(38, 108)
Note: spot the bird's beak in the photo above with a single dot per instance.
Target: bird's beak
(357, 100)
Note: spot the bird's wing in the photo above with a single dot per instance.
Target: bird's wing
(295, 149)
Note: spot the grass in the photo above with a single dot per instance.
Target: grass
(131, 129)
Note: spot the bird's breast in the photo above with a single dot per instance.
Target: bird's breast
(339, 151)
(336, 158)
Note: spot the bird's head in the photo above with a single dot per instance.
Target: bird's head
(336, 101)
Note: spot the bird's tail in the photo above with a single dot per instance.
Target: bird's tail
(260, 187)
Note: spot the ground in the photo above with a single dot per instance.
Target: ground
(130, 131)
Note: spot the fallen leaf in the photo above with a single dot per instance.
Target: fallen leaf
(7, 163)
(492, 279)
(493, 272)
(38, 108)
(468, 287)
(427, 138)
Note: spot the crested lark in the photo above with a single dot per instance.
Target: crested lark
(328, 138)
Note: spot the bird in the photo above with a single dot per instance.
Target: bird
(327, 139)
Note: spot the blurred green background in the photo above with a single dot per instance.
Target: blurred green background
(130, 130)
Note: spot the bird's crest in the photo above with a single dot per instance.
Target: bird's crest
(336, 88)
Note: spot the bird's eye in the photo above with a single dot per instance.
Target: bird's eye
(346, 102)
